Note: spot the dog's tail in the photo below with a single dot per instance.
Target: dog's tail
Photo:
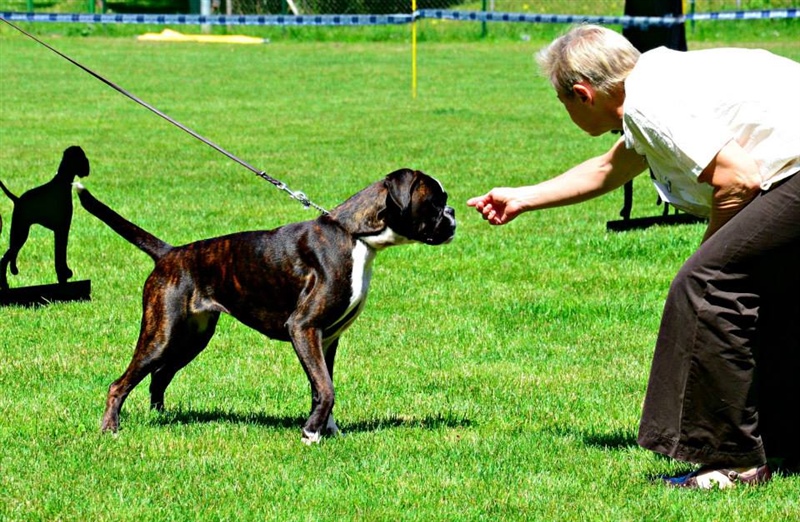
(139, 237)
(11, 196)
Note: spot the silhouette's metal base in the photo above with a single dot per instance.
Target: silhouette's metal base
(628, 223)
(45, 294)
(622, 225)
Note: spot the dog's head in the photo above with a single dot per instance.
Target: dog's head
(74, 163)
(406, 206)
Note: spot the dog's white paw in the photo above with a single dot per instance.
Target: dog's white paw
(310, 438)
(331, 429)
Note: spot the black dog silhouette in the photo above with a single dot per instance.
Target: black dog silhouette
(49, 205)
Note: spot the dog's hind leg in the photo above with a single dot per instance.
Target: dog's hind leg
(158, 333)
(137, 370)
(200, 328)
(3, 274)
(8, 257)
(18, 237)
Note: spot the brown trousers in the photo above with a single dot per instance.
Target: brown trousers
(724, 386)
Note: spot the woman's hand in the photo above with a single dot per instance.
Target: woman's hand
(499, 206)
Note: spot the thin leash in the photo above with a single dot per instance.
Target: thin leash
(299, 196)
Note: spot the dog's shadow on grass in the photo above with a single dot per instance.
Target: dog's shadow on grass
(189, 416)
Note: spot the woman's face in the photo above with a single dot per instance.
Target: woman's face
(587, 110)
(580, 112)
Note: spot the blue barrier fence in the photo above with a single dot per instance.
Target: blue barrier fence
(393, 19)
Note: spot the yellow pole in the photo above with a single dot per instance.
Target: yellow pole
(414, 50)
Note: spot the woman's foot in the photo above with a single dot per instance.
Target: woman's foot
(722, 478)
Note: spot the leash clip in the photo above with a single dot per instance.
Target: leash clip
(299, 196)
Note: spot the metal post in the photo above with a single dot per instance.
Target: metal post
(414, 50)
(205, 10)
(484, 30)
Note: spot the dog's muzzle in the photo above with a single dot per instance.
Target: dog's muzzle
(445, 229)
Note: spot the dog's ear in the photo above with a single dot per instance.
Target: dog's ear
(400, 185)
(366, 213)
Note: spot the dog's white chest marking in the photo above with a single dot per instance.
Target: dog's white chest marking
(362, 272)
(386, 238)
(360, 278)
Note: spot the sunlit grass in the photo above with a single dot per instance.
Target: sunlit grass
(496, 378)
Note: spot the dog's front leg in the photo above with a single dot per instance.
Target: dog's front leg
(329, 348)
(63, 272)
(307, 344)
(330, 354)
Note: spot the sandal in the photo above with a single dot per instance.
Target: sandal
(723, 478)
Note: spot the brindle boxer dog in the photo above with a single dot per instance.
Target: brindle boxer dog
(304, 283)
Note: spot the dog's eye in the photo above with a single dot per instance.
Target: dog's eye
(428, 208)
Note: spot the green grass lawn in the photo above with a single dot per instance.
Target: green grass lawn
(495, 378)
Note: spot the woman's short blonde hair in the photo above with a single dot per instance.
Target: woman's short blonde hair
(591, 53)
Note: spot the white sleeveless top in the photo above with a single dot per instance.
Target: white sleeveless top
(681, 108)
